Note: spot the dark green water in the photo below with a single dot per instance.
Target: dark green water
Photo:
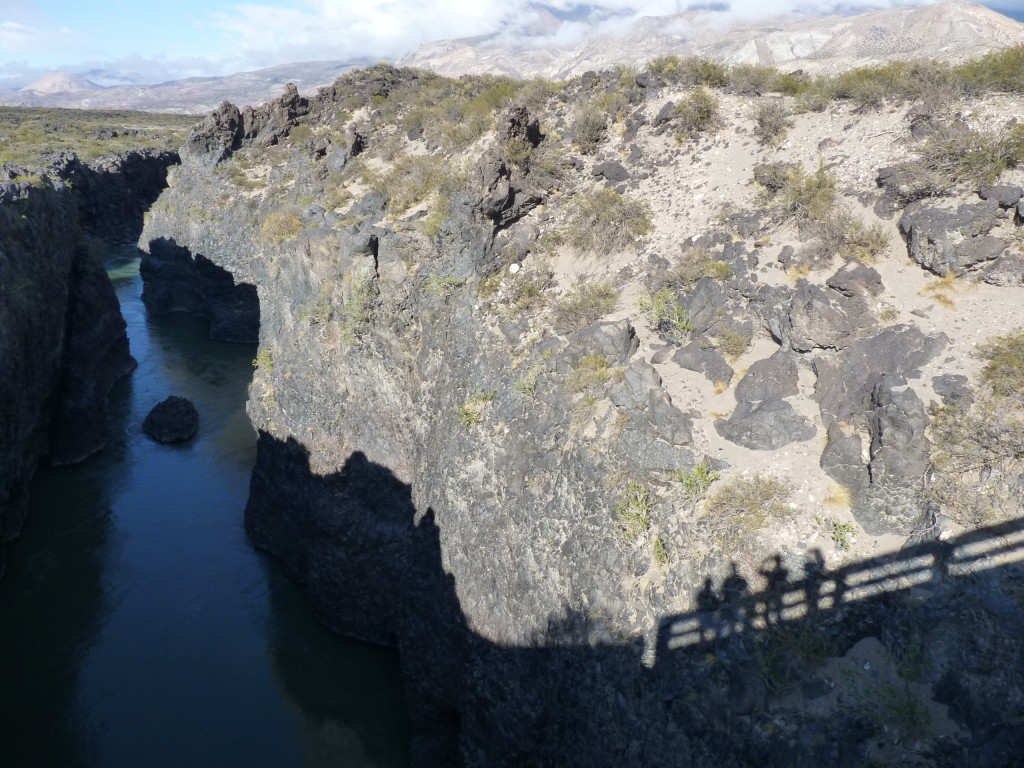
(138, 627)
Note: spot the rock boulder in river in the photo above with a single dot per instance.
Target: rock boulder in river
(172, 420)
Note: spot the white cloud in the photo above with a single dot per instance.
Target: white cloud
(264, 34)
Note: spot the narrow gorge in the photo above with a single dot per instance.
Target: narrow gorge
(660, 417)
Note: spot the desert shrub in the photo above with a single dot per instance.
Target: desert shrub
(995, 71)
(279, 226)
(408, 180)
(694, 483)
(585, 304)
(693, 264)
(471, 411)
(975, 157)
(604, 221)
(666, 315)
(733, 342)
(356, 308)
(633, 511)
(591, 371)
(664, 65)
(751, 80)
(697, 113)
(449, 183)
(527, 292)
(816, 95)
(977, 450)
(701, 72)
(300, 134)
(589, 128)
(1004, 367)
(745, 504)
(798, 195)
(847, 236)
(771, 121)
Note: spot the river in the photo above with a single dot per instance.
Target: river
(138, 626)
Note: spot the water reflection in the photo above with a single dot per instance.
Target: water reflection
(137, 624)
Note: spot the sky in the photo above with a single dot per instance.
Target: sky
(127, 41)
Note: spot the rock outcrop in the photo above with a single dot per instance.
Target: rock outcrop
(501, 470)
(173, 420)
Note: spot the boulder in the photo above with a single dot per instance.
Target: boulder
(611, 170)
(706, 360)
(172, 420)
(952, 240)
(763, 419)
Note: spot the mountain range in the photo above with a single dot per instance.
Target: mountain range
(950, 31)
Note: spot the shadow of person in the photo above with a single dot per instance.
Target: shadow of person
(735, 588)
(775, 578)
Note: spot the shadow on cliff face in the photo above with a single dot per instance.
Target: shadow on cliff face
(176, 280)
(56, 589)
(904, 657)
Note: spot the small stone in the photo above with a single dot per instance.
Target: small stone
(513, 268)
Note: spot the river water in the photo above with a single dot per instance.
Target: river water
(138, 627)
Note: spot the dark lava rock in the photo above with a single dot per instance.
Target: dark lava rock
(706, 360)
(611, 170)
(172, 421)
(954, 240)
(1005, 194)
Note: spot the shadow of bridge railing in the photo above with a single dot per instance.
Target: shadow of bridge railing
(734, 610)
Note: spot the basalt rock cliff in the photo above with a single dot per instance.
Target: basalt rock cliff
(62, 337)
(620, 497)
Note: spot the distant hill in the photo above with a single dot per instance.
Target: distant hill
(195, 95)
(952, 31)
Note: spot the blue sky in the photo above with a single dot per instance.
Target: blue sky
(132, 41)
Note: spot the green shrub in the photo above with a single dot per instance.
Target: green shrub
(470, 413)
(771, 121)
(585, 304)
(995, 71)
(695, 482)
(604, 221)
(751, 80)
(633, 511)
(696, 114)
(666, 315)
(1004, 366)
(733, 343)
(701, 72)
(356, 310)
(693, 264)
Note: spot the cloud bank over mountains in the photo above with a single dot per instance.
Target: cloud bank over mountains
(137, 43)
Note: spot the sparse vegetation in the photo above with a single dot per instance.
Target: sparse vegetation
(471, 411)
(694, 483)
(279, 226)
(591, 371)
(604, 221)
(693, 264)
(589, 129)
(696, 114)
(29, 133)
(633, 511)
(585, 304)
(978, 448)
(734, 342)
(771, 121)
(745, 504)
(666, 315)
